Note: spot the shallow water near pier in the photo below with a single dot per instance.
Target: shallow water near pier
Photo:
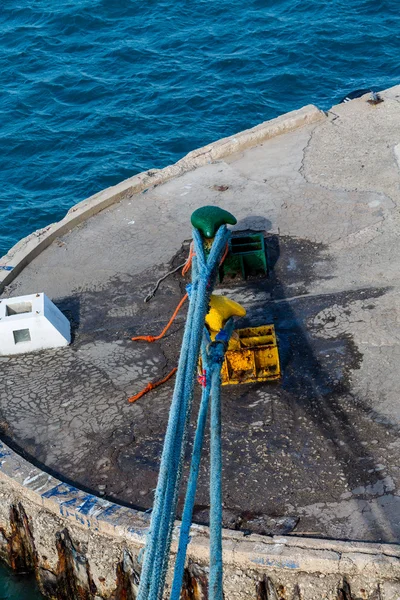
(95, 92)
(13, 587)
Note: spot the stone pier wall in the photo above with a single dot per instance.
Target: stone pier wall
(83, 547)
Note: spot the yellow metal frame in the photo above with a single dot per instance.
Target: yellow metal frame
(252, 356)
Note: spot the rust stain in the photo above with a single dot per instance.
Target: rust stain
(47, 581)
(74, 581)
(220, 188)
(195, 583)
(265, 590)
(281, 591)
(127, 579)
(261, 592)
(122, 592)
(21, 546)
(376, 99)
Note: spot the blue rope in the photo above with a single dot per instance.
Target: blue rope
(156, 557)
(191, 488)
(193, 475)
(153, 534)
(215, 591)
(207, 275)
(211, 364)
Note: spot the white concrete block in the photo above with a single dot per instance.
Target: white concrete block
(31, 323)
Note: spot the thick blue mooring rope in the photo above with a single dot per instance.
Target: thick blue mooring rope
(215, 589)
(192, 481)
(212, 356)
(157, 550)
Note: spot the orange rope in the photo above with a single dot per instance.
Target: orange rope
(191, 254)
(225, 254)
(151, 338)
(151, 386)
(189, 260)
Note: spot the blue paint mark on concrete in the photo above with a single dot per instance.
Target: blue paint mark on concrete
(88, 504)
(70, 503)
(62, 489)
(4, 451)
(79, 507)
(68, 509)
(107, 512)
(139, 532)
(281, 564)
(67, 513)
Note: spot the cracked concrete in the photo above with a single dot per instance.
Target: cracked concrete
(316, 453)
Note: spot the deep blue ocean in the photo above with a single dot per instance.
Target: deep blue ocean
(94, 91)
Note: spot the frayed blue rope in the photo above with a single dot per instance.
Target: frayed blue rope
(192, 482)
(207, 279)
(216, 351)
(159, 537)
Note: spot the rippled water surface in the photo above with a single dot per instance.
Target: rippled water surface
(94, 91)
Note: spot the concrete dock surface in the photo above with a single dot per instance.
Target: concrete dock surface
(317, 453)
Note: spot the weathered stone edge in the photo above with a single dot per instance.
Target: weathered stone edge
(31, 246)
(101, 517)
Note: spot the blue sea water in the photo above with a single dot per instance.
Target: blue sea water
(94, 91)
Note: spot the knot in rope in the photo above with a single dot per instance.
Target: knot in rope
(152, 386)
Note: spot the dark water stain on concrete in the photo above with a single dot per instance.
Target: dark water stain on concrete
(286, 444)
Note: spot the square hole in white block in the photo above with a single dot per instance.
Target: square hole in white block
(31, 323)
(18, 308)
(21, 335)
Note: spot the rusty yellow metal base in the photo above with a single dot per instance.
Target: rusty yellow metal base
(252, 356)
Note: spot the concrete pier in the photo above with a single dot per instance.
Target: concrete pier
(311, 464)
